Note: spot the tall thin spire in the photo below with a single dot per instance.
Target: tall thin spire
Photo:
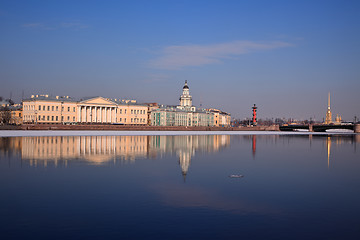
(328, 112)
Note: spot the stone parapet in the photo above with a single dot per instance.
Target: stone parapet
(357, 128)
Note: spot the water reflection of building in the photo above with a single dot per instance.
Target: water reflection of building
(94, 149)
(10, 145)
(61, 150)
(185, 147)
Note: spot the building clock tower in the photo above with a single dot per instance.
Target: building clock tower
(185, 98)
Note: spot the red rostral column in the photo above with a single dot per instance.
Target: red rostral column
(254, 115)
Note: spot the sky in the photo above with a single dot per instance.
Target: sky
(283, 56)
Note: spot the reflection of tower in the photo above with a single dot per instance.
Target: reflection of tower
(185, 98)
(253, 145)
(254, 120)
(184, 161)
(328, 147)
(328, 112)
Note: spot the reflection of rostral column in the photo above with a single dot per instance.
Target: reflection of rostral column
(328, 112)
(253, 145)
(254, 120)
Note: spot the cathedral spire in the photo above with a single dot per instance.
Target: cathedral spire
(328, 112)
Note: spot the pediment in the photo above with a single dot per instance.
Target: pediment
(98, 101)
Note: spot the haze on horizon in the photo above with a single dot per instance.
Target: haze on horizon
(285, 56)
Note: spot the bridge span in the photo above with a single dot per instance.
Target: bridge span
(321, 127)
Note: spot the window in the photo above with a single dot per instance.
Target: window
(57, 108)
(39, 117)
(62, 118)
(73, 109)
(52, 118)
(62, 108)
(48, 108)
(120, 111)
(132, 111)
(52, 108)
(68, 109)
(43, 108)
(74, 119)
(131, 120)
(120, 119)
(39, 107)
(57, 118)
(68, 118)
(125, 118)
(125, 113)
(48, 118)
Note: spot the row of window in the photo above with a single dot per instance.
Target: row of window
(134, 120)
(54, 108)
(54, 118)
(136, 111)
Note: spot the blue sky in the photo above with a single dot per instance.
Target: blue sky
(285, 56)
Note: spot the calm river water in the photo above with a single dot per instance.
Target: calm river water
(178, 187)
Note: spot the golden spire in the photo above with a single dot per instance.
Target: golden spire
(328, 112)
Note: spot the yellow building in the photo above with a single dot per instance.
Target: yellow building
(46, 109)
(221, 118)
(16, 116)
(96, 110)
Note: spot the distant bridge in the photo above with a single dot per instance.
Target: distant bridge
(320, 128)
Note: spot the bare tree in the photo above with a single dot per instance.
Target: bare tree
(5, 115)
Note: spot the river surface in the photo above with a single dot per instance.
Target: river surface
(178, 187)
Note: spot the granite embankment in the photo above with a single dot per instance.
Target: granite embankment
(109, 127)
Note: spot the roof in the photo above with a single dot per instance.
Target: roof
(50, 98)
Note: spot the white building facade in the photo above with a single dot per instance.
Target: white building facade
(184, 114)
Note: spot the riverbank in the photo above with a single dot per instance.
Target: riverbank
(105, 127)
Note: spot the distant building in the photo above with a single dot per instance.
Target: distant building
(338, 119)
(16, 115)
(186, 114)
(94, 110)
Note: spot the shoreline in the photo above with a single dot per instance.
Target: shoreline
(110, 127)
(45, 133)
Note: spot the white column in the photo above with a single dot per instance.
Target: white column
(116, 113)
(84, 114)
(100, 114)
(96, 112)
(79, 114)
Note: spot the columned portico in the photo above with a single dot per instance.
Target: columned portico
(96, 114)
